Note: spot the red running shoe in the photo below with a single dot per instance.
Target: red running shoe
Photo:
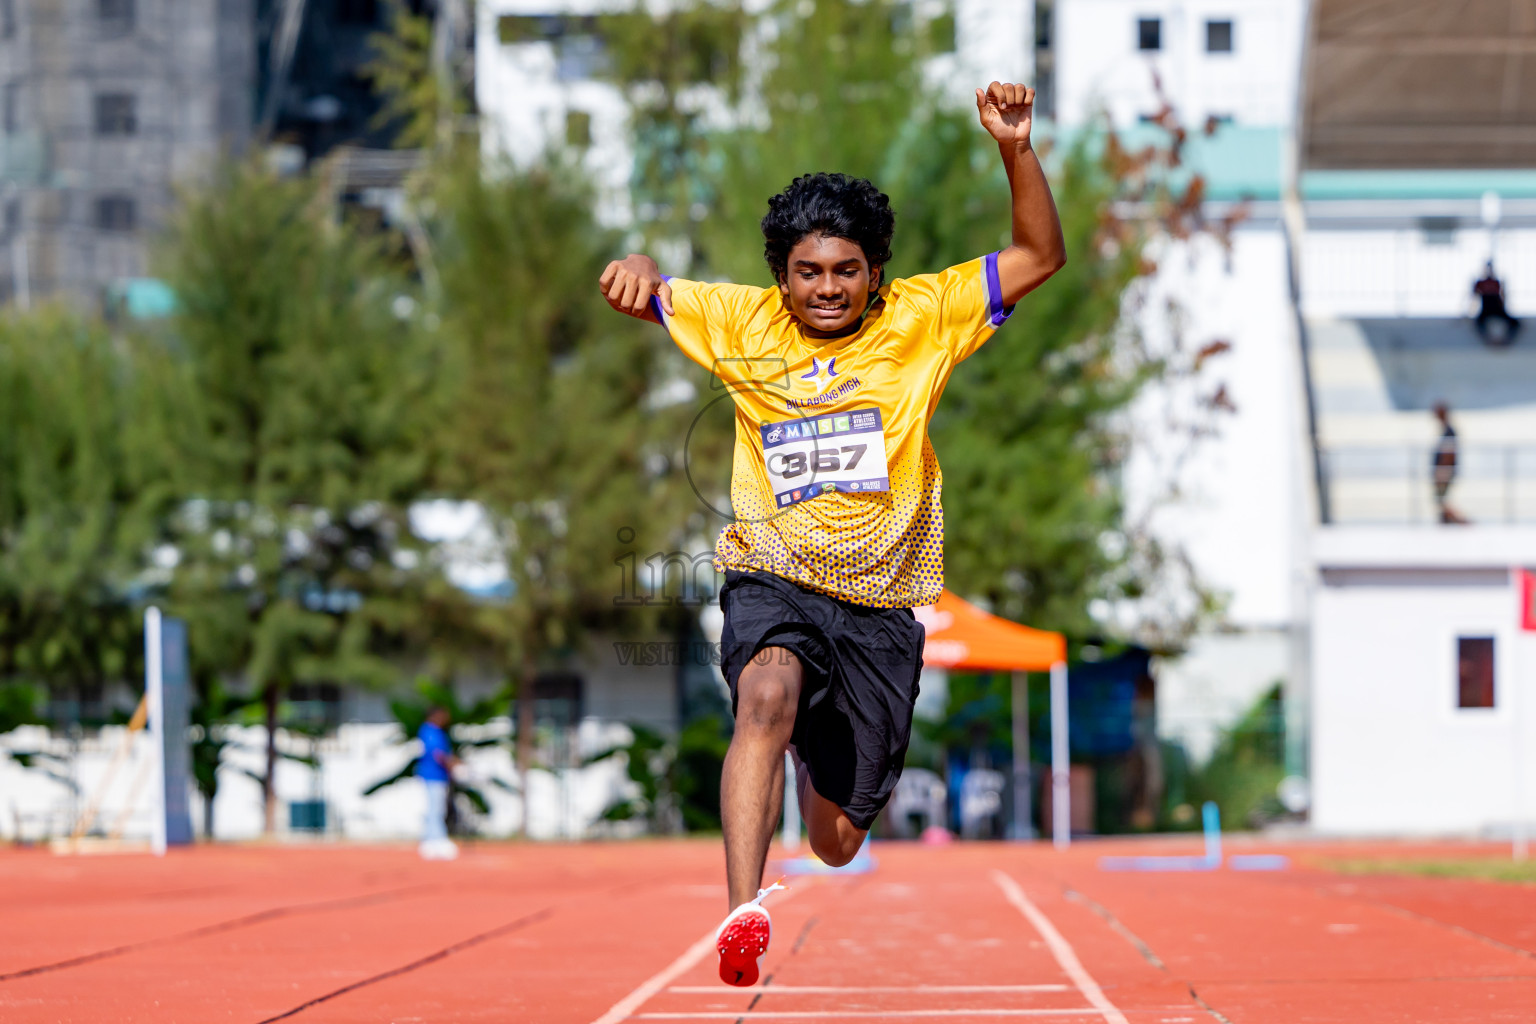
(742, 939)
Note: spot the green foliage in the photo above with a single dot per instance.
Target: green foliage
(547, 417)
(1246, 767)
(298, 449)
(212, 714)
(842, 81)
(678, 781)
(74, 472)
(20, 704)
(402, 73)
(977, 714)
(1520, 872)
(1026, 432)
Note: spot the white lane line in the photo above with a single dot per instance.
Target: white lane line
(715, 990)
(625, 1008)
(858, 1014)
(1060, 949)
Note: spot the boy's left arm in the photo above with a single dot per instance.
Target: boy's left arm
(1038, 249)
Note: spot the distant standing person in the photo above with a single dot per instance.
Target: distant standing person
(1494, 323)
(1443, 465)
(433, 768)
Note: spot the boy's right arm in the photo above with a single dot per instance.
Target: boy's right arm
(629, 284)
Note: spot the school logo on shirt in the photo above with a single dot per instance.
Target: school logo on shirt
(821, 375)
(831, 393)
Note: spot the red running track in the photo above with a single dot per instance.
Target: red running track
(608, 932)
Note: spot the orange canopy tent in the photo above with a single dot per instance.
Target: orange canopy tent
(963, 637)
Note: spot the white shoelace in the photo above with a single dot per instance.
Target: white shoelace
(762, 893)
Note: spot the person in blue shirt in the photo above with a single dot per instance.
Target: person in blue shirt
(433, 768)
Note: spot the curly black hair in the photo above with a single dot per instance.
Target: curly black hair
(836, 205)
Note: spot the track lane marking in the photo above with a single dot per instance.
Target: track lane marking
(203, 931)
(856, 1014)
(1060, 948)
(625, 1008)
(430, 958)
(834, 989)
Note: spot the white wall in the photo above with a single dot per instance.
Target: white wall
(1099, 66)
(563, 805)
(1235, 493)
(1391, 752)
(524, 100)
(1400, 271)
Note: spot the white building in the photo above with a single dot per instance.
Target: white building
(1314, 509)
(1238, 508)
(1228, 59)
(1421, 676)
(1424, 712)
(539, 67)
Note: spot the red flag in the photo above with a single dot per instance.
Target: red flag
(1527, 598)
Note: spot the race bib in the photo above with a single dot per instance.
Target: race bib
(843, 451)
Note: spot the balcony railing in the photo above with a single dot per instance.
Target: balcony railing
(1493, 483)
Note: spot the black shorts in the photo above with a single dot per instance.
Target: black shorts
(860, 668)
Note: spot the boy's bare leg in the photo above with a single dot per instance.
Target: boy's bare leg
(752, 783)
(833, 837)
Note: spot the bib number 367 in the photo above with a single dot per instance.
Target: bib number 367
(832, 452)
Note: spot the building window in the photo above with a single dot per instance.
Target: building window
(1474, 672)
(115, 213)
(1149, 34)
(1439, 230)
(357, 12)
(1218, 37)
(115, 16)
(7, 18)
(115, 114)
(10, 101)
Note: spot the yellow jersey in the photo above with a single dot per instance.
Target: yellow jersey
(834, 483)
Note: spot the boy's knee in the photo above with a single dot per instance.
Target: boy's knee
(766, 700)
(836, 850)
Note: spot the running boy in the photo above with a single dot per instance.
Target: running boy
(835, 487)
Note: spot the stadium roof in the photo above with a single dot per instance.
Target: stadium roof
(1420, 84)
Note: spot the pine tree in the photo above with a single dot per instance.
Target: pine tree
(300, 451)
(73, 476)
(549, 411)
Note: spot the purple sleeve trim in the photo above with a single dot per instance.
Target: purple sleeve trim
(661, 316)
(996, 311)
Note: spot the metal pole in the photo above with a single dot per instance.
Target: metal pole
(1061, 779)
(21, 273)
(154, 696)
(1519, 844)
(1023, 827)
(791, 806)
(1509, 483)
